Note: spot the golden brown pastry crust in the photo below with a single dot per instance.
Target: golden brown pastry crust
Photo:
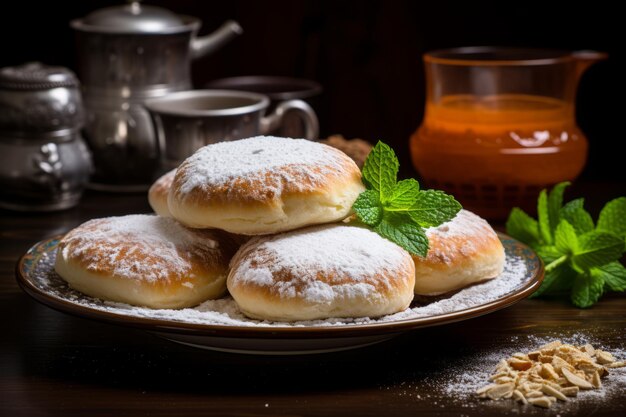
(270, 199)
(362, 275)
(158, 192)
(462, 252)
(157, 263)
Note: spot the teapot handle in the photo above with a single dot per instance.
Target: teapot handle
(204, 45)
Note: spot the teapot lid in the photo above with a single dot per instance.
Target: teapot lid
(133, 17)
(36, 76)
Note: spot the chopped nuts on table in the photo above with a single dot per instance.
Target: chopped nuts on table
(552, 373)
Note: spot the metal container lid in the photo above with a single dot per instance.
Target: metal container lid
(134, 18)
(36, 76)
(39, 101)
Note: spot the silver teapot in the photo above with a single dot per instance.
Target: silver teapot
(127, 54)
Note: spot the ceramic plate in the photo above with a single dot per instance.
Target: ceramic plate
(219, 325)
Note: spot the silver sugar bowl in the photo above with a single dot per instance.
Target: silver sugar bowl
(44, 162)
(126, 55)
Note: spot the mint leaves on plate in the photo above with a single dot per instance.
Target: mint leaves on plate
(398, 210)
(580, 257)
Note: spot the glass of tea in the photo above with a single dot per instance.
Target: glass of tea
(499, 125)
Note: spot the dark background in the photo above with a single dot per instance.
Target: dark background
(366, 54)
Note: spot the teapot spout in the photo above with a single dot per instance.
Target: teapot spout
(585, 59)
(205, 45)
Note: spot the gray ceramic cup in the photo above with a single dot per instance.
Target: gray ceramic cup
(187, 120)
(278, 89)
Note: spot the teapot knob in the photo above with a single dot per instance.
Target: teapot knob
(135, 6)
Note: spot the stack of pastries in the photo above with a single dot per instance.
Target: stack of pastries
(264, 219)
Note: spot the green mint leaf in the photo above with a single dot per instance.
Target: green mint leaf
(433, 208)
(368, 208)
(613, 217)
(555, 202)
(548, 253)
(398, 211)
(404, 194)
(523, 227)
(544, 217)
(559, 279)
(613, 274)
(597, 249)
(398, 228)
(562, 260)
(380, 170)
(548, 207)
(565, 239)
(574, 204)
(565, 284)
(578, 256)
(587, 290)
(577, 216)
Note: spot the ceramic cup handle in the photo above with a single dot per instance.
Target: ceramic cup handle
(304, 111)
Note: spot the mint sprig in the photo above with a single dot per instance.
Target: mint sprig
(398, 210)
(580, 257)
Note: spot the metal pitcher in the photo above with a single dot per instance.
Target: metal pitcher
(127, 54)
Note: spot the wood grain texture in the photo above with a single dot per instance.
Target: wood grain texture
(55, 364)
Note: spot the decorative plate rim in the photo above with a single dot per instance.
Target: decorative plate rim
(277, 332)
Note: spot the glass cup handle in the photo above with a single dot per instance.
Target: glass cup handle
(306, 113)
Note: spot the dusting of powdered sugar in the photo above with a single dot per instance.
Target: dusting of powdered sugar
(464, 224)
(347, 253)
(465, 234)
(143, 247)
(225, 311)
(287, 160)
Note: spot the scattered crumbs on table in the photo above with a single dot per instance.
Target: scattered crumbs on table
(551, 373)
(460, 377)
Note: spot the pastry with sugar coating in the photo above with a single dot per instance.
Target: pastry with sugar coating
(157, 194)
(145, 260)
(264, 185)
(463, 251)
(321, 272)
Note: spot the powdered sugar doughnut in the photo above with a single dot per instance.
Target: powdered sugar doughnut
(145, 260)
(463, 251)
(264, 185)
(321, 272)
(157, 194)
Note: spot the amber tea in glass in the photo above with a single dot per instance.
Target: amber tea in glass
(499, 125)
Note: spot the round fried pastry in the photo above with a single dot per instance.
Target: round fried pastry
(264, 185)
(463, 251)
(321, 272)
(158, 192)
(145, 260)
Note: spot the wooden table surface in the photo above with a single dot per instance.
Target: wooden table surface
(55, 364)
